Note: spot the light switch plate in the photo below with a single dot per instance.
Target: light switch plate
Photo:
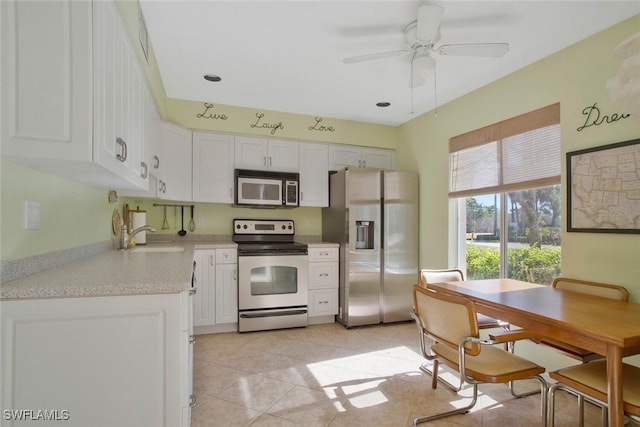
(31, 215)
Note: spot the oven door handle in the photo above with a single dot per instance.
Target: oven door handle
(272, 314)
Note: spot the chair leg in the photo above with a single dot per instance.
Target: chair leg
(464, 410)
(581, 411)
(425, 368)
(434, 375)
(581, 399)
(551, 403)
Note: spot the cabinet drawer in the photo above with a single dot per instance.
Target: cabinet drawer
(323, 254)
(323, 275)
(226, 256)
(323, 302)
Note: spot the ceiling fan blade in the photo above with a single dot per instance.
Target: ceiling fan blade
(373, 56)
(429, 17)
(474, 49)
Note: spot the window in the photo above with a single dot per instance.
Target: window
(505, 178)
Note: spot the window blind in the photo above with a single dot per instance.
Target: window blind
(515, 154)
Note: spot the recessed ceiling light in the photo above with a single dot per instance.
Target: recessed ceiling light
(212, 78)
(383, 104)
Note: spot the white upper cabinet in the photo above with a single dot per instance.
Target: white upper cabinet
(174, 171)
(212, 168)
(75, 93)
(45, 112)
(266, 154)
(341, 156)
(314, 174)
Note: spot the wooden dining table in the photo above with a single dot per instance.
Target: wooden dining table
(607, 327)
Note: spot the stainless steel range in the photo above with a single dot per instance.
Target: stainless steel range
(272, 280)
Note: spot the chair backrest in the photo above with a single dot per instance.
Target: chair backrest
(592, 288)
(446, 318)
(426, 276)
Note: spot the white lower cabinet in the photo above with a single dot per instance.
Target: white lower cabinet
(323, 283)
(99, 361)
(216, 298)
(204, 301)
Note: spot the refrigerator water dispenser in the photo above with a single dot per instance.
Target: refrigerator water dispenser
(364, 235)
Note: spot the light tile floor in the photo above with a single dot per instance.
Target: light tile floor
(327, 375)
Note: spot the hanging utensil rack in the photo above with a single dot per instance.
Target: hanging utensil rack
(173, 205)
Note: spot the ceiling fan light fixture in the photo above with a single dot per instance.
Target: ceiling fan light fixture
(423, 63)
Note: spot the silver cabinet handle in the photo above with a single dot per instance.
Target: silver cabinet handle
(270, 161)
(324, 274)
(210, 259)
(364, 163)
(323, 302)
(192, 400)
(192, 339)
(323, 254)
(156, 162)
(235, 274)
(121, 156)
(144, 174)
(264, 160)
(192, 291)
(301, 196)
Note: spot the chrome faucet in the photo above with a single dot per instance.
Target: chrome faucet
(126, 236)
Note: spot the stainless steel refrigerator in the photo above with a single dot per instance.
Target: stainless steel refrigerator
(373, 214)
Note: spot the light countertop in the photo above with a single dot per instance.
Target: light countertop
(114, 272)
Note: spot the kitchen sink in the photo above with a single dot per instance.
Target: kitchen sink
(158, 249)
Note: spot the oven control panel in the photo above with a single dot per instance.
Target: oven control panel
(263, 226)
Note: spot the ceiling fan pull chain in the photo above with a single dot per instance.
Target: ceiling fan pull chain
(435, 95)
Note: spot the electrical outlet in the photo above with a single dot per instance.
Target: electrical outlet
(307, 223)
(200, 221)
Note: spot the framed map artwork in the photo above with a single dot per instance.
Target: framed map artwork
(603, 188)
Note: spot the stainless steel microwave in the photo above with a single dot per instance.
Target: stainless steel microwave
(266, 188)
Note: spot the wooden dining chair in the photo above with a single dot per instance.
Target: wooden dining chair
(591, 288)
(589, 382)
(451, 322)
(426, 276)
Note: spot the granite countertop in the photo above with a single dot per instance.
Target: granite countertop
(114, 272)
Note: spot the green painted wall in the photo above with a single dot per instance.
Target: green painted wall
(71, 214)
(576, 78)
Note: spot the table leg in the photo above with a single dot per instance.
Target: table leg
(614, 375)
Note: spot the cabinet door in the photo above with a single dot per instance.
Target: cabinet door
(282, 156)
(378, 158)
(341, 157)
(226, 293)
(212, 168)
(174, 177)
(130, 345)
(204, 301)
(323, 275)
(251, 153)
(314, 175)
(46, 79)
(323, 302)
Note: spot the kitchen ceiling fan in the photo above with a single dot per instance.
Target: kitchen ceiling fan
(421, 36)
